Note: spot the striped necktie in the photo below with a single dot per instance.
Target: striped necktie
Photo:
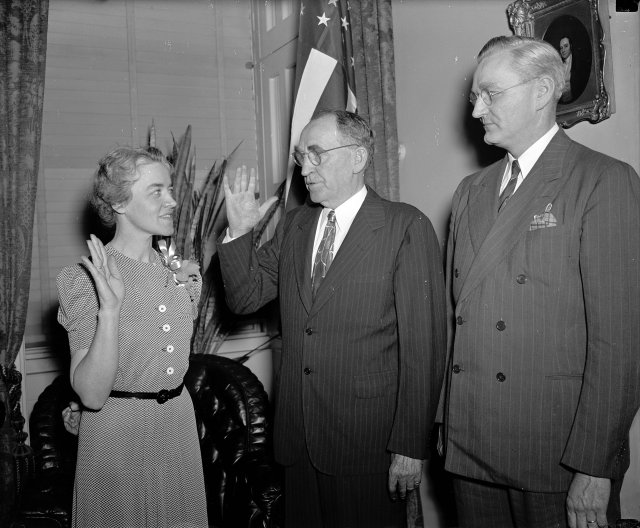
(324, 255)
(511, 185)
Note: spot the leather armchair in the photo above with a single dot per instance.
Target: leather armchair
(242, 480)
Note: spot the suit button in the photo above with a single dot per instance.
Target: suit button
(500, 325)
(308, 331)
(521, 279)
(456, 273)
(307, 371)
(459, 320)
(500, 377)
(456, 369)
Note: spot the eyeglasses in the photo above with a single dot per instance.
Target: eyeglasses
(487, 95)
(314, 154)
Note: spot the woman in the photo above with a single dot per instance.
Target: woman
(129, 317)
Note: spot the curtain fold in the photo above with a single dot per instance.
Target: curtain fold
(372, 35)
(23, 37)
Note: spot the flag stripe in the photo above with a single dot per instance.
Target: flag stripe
(315, 77)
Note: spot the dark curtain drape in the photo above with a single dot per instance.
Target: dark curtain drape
(372, 35)
(23, 37)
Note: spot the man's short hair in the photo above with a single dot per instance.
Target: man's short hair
(531, 58)
(352, 127)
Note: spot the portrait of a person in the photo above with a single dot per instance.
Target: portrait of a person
(576, 72)
(569, 35)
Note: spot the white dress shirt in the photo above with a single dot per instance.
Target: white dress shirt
(528, 158)
(345, 214)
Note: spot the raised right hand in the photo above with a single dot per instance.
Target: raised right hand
(243, 209)
(105, 273)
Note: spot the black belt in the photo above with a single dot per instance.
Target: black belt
(160, 396)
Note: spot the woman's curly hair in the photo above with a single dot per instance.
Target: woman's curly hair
(117, 172)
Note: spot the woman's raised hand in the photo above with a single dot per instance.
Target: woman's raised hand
(105, 273)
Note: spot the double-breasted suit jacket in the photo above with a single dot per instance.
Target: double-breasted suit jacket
(362, 364)
(544, 372)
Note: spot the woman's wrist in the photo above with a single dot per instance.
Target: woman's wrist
(109, 314)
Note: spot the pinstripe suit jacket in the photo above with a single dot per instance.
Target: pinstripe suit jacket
(362, 364)
(544, 372)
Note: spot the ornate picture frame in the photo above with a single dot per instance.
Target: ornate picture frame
(575, 29)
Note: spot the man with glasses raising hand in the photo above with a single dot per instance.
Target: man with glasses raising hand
(361, 293)
(543, 271)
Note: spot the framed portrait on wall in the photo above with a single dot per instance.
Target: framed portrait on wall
(577, 30)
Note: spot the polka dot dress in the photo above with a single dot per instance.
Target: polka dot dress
(139, 461)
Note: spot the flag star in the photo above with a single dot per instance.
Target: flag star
(334, 3)
(345, 24)
(323, 19)
(301, 9)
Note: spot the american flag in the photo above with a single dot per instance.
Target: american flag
(325, 72)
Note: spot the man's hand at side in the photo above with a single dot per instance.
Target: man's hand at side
(587, 501)
(404, 475)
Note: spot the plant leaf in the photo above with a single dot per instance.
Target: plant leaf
(180, 165)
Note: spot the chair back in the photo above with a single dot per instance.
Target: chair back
(243, 483)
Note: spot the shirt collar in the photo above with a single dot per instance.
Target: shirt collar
(347, 211)
(529, 157)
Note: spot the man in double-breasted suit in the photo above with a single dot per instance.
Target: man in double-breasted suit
(543, 271)
(364, 343)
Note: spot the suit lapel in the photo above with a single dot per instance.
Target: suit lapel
(483, 204)
(359, 239)
(539, 188)
(302, 249)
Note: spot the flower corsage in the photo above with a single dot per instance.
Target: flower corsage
(185, 272)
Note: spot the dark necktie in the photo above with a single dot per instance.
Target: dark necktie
(511, 185)
(324, 255)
